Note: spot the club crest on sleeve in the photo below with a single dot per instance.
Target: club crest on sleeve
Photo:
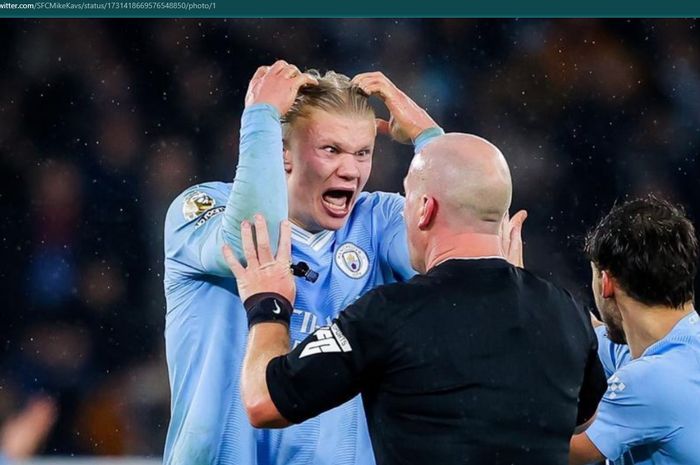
(352, 260)
(195, 204)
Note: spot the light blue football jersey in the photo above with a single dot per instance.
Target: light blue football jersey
(206, 330)
(649, 414)
(612, 356)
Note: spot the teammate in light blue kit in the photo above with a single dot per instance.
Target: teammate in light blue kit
(612, 356)
(644, 257)
(353, 240)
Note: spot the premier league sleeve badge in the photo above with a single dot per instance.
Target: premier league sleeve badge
(195, 204)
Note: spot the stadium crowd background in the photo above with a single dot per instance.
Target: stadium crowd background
(103, 122)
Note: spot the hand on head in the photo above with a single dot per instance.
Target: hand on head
(407, 120)
(277, 85)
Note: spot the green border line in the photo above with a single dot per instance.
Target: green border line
(358, 9)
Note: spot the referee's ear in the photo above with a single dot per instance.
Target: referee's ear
(428, 212)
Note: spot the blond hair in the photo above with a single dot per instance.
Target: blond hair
(334, 94)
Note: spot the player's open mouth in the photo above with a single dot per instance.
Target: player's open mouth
(337, 201)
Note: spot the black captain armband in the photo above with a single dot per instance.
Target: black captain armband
(268, 307)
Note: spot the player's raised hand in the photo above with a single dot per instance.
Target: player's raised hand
(265, 272)
(277, 85)
(512, 237)
(407, 120)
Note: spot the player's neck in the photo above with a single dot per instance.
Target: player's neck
(645, 325)
(309, 228)
(463, 245)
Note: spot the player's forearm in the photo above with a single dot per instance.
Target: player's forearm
(582, 451)
(265, 342)
(260, 184)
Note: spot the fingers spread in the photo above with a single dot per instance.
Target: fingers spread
(248, 244)
(284, 251)
(232, 261)
(505, 227)
(518, 220)
(515, 239)
(263, 239)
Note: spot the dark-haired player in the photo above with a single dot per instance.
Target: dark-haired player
(644, 257)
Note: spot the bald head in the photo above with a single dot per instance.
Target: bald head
(468, 177)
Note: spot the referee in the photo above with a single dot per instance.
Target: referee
(474, 361)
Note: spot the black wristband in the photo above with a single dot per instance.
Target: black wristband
(268, 307)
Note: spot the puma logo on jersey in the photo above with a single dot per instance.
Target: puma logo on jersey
(329, 339)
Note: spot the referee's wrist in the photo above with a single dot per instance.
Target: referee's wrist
(268, 307)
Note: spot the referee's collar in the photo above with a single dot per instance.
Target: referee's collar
(490, 261)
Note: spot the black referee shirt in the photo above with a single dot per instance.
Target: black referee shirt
(476, 362)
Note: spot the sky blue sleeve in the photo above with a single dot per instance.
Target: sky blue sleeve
(205, 334)
(606, 351)
(205, 217)
(260, 185)
(393, 246)
(633, 410)
(612, 356)
(425, 137)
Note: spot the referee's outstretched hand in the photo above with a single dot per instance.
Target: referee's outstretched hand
(512, 237)
(264, 273)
